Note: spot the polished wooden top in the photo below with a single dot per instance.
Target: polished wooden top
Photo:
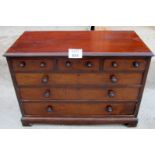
(93, 43)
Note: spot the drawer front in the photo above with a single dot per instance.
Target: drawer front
(75, 78)
(78, 64)
(124, 64)
(30, 64)
(77, 109)
(79, 93)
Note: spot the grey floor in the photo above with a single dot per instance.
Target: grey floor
(9, 109)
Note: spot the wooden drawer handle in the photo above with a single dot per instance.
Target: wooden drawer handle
(136, 64)
(114, 64)
(42, 64)
(45, 79)
(68, 64)
(22, 64)
(47, 93)
(113, 79)
(111, 93)
(49, 109)
(109, 109)
(89, 64)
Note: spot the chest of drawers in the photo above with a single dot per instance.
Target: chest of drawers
(105, 86)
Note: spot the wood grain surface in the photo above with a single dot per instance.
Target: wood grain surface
(92, 42)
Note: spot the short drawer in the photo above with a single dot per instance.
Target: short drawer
(78, 64)
(24, 79)
(124, 64)
(33, 64)
(68, 93)
(78, 109)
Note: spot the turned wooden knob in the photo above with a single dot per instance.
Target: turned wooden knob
(42, 64)
(113, 79)
(109, 109)
(22, 64)
(49, 109)
(47, 93)
(136, 64)
(89, 64)
(45, 79)
(68, 63)
(111, 93)
(114, 64)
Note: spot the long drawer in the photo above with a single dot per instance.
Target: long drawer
(78, 78)
(69, 93)
(77, 109)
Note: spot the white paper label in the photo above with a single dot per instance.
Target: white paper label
(74, 53)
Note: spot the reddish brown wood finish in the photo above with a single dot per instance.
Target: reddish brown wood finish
(78, 109)
(105, 86)
(31, 64)
(99, 79)
(92, 42)
(64, 93)
(124, 64)
(126, 120)
(75, 65)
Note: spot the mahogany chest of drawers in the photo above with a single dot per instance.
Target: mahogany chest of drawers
(105, 86)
